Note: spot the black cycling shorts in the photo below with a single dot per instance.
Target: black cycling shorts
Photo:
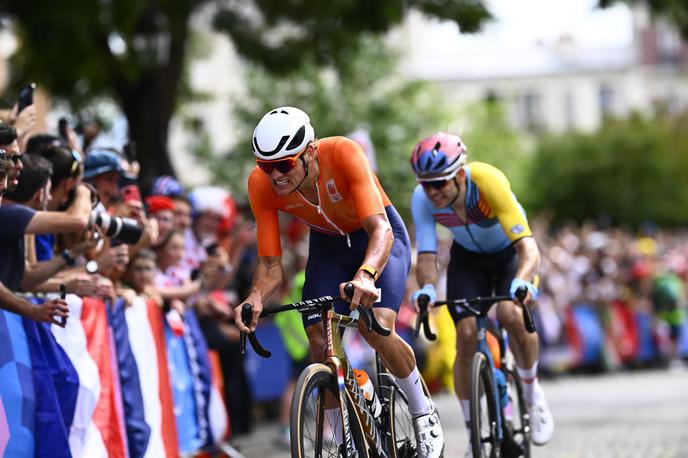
(473, 274)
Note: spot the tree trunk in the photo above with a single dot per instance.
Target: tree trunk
(149, 103)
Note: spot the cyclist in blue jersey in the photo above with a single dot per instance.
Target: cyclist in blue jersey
(494, 252)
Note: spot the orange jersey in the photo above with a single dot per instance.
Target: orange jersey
(348, 192)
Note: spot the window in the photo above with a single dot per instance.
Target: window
(606, 100)
(531, 111)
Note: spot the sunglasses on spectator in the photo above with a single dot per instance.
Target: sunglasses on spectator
(14, 157)
(281, 165)
(435, 184)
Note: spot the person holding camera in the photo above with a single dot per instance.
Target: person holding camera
(33, 191)
(19, 220)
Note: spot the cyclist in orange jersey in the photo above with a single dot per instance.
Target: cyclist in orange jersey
(356, 237)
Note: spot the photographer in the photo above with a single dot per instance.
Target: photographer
(33, 191)
(15, 221)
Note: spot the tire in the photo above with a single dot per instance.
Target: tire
(401, 423)
(519, 425)
(483, 407)
(310, 438)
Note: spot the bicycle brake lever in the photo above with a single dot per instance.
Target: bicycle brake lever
(423, 319)
(528, 321)
(368, 316)
(246, 316)
(431, 336)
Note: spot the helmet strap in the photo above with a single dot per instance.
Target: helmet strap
(458, 191)
(305, 168)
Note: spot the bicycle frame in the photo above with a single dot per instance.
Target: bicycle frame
(482, 322)
(335, 358)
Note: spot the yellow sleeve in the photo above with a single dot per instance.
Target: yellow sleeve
(496, 190)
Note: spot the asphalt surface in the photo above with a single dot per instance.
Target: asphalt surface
(641, 414)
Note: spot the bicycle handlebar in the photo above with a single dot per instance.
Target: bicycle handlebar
(247, 314)
(368, 316)
(467, 304)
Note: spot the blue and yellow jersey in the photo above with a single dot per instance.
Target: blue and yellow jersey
(494, 218)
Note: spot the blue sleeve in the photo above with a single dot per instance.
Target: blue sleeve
(44, 246)
(13, 220)
(421, 209)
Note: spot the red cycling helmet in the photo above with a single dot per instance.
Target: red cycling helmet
(438, 156)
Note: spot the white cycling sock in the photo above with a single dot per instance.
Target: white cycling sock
(334, 419)
(466, 409)
(419, 404)
(529, 381)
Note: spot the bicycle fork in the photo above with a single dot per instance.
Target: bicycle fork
(497, 386)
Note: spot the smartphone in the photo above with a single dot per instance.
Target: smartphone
(130, 151)
(211, 249)
(63, 294)
(25, 97)
(62, 128)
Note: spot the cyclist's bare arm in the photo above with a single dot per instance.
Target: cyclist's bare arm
(380, 241)
(528, 260)
(426, 269)
(267, 279)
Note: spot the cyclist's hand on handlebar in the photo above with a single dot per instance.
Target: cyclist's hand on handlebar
(257, 305)
(533, 292)
(427, 289)
(365, 292)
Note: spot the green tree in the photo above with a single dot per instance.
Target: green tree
(632, 170)
(135, 51)
(363, 93)
(491, 139)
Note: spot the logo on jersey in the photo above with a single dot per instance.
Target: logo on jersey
(294, 205)
(332, 191)
(516, 229)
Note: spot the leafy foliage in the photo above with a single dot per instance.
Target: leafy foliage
(491, 139)
(633, 170)
(282, 34)
(135, 51)
(364, 94)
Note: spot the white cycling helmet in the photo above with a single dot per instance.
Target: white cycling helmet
(282, 132)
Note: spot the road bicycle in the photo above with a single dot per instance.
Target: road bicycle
(500, 423)
(332, 384)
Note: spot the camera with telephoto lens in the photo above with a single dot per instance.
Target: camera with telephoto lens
(124, 230)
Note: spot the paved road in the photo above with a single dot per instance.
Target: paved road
(633, 414)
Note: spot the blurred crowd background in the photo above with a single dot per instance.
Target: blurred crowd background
(137, 133)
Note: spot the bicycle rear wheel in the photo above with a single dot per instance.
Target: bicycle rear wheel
(483, 406)
(519, 423)
(311, 433)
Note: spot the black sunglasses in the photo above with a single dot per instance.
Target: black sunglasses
(14, 157)
(435, 184)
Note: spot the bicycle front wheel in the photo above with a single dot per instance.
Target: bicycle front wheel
(312, 433)
(518, 421)
(483, 407)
